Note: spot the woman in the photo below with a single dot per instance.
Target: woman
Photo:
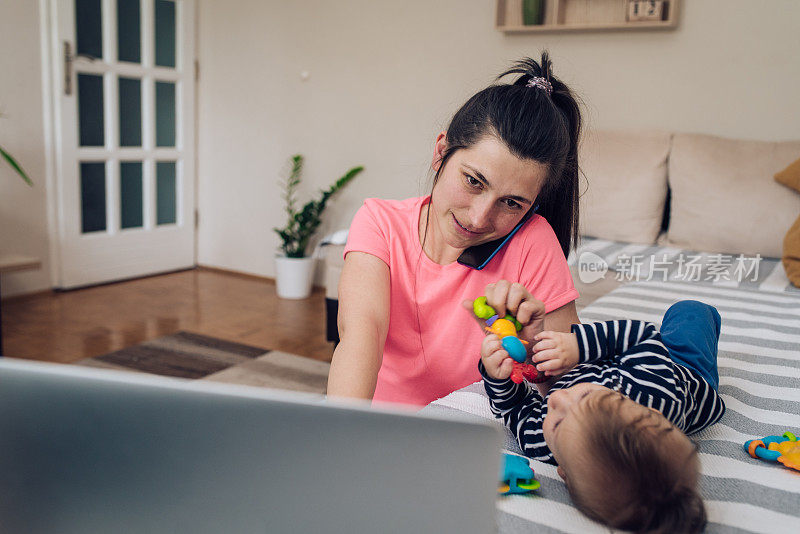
(507, 165)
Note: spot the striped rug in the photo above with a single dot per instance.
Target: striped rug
(195, 356)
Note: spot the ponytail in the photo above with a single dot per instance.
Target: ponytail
(559, 199)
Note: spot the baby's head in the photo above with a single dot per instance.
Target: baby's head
(624, 464)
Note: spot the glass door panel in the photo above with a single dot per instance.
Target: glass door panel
(131, 194)
(93, 197)
(130, 112)
(165, 33)
(165, 114)
(166, 198)
(88, 28)
(90, 110)
(129, 37)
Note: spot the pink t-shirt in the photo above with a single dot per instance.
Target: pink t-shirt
(433, 345)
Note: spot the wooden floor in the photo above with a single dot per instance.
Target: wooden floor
(67, 326)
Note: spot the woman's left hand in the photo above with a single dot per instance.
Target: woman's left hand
(515, 299)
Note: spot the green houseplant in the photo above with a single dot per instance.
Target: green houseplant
(294, 269)
(14, 165)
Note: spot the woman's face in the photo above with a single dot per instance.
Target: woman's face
(483, 192)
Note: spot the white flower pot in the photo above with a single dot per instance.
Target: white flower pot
(294, 276)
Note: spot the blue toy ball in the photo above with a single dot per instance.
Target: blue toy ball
(515, 348)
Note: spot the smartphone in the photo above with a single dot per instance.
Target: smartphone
(478, 256)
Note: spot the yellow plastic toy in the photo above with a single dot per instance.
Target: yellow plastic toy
(784, 449)
(503, 328)
(790, 453)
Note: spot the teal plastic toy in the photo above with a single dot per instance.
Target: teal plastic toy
(516, 476)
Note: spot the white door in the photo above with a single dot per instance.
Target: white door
(124, 81)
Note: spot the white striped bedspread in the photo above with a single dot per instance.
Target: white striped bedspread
(629, 262)
(759, 368)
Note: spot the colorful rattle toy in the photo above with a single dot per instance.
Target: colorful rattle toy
(506, 329)
(516, 475)
(784, 449)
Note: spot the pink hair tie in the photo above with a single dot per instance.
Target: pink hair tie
(541, 83)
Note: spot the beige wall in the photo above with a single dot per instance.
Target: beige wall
(385, 76)
(23, 210)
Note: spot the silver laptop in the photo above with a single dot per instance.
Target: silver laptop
(93, 451)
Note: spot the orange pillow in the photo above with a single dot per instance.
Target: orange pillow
(790, 177)
(791, 253)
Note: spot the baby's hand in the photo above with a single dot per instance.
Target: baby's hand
(495, 359)
(556, 352)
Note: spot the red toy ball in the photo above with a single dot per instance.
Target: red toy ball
(524, 371)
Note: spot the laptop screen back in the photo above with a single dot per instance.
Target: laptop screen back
(87, 450)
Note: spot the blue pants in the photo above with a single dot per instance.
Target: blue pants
(690, 331)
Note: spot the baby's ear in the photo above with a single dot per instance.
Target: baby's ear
(562, 473)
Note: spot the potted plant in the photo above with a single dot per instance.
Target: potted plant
(294, 269)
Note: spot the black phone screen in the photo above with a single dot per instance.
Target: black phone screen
(478, 256)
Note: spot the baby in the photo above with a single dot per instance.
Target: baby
(616, 422)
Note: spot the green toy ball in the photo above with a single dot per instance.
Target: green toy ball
(513, 319)
(481, 309)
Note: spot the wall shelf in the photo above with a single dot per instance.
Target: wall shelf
(582, 15)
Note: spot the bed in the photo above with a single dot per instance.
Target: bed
(687, 216)
(759, 366)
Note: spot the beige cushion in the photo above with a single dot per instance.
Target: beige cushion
(790, 177)
(627, 184)
(724, 197)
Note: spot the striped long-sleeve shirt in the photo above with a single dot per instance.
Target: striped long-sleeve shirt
(626, 356)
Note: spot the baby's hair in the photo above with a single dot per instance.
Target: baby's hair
(635, 481)
(538, 118)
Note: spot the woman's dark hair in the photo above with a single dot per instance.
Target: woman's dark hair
(534, 125)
